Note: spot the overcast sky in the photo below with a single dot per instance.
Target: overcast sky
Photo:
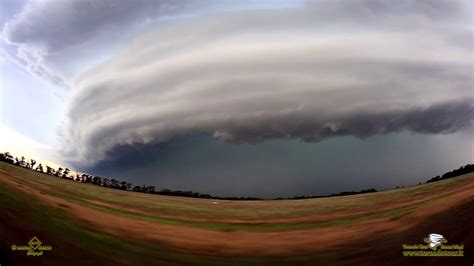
(254, 98)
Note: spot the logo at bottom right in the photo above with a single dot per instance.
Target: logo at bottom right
(435, 246)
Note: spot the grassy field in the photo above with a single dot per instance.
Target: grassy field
(90, 225)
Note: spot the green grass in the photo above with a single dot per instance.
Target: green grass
(67, 231)
(57, 224)
(103, 249)
(170, 210)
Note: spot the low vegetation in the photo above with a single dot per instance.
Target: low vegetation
(87, 222)
(124, 185)
(468, 168)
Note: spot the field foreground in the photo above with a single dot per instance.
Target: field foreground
(90, 225)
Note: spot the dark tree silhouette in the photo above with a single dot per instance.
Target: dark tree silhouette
(33, 162)
(39, 168)
(150, 189)
(7, 157)
(468, 168)
(84, 178)
(123, 185)
(97, 180)
(59, 172)
(114, 183)
(66, 173)
(117, 184)
(49, 170)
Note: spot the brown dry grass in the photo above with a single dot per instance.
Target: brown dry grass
(285, 243)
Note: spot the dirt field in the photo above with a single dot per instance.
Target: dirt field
(86, 224)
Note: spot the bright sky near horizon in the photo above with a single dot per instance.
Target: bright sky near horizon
(235, 84)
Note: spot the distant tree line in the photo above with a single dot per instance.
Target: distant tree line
(345, 193)
(466, 169)
(64, 173)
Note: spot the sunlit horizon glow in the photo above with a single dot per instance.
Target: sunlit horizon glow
(20, 145)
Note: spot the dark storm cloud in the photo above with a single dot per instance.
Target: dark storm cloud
(282, 168)
(331, 68)
(437, 119)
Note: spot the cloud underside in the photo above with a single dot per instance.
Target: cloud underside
(53, 39)
(303, 73)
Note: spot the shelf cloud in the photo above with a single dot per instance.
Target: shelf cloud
(51, 39)
(329, 68)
